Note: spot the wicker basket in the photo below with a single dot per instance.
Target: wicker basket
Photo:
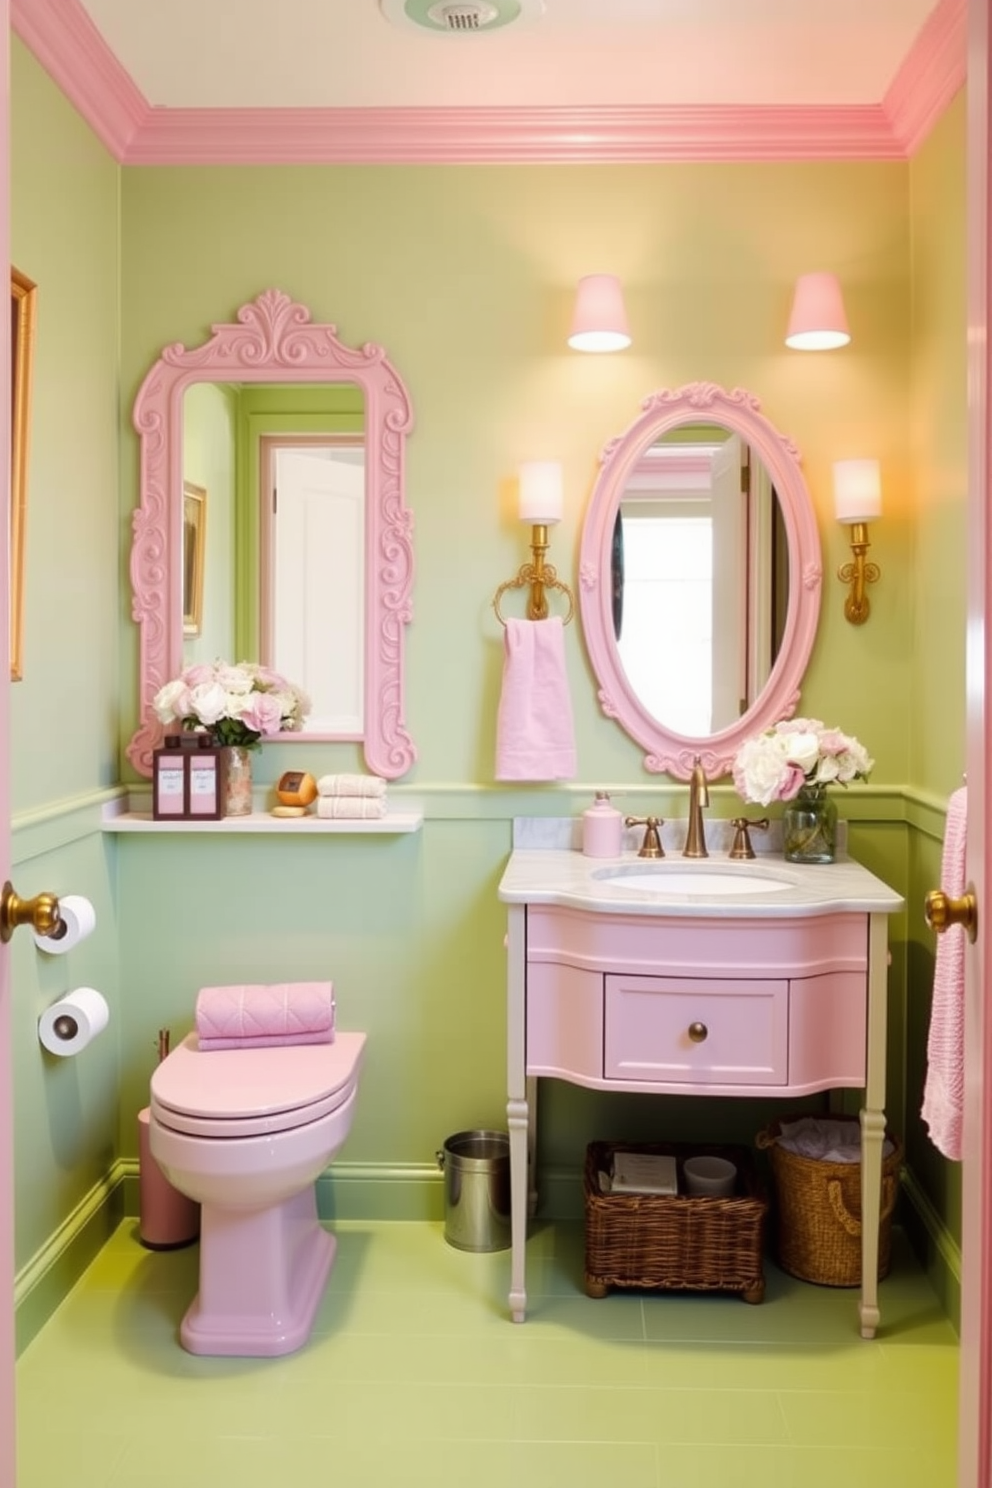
(818, 1212)
(669, 1241)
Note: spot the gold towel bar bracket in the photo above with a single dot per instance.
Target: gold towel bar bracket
(539, 577)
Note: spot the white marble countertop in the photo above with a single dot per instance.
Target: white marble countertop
(563, 875)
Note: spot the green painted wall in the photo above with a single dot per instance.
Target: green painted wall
(466, 276)
(65, 714)
(937, 516)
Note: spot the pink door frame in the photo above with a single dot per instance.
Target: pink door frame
(974, 1447)
(7, 1413)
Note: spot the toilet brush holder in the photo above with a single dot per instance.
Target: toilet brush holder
(168, 1220)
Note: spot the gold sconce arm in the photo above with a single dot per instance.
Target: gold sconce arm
(539, 577)
(858, 574)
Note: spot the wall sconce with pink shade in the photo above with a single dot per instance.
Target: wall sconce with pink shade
(818, 321)
(599, 322)
(857, 501)
(541, 503)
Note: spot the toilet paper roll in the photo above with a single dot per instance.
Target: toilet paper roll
(78, 920)
(74, 1021)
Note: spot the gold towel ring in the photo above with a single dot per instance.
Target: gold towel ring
(539, 583)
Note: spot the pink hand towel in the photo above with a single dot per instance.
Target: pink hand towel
(534, 732)
(943, 1094)
(260, 1017)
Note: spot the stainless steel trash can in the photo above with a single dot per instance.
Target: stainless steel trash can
(476, 1167)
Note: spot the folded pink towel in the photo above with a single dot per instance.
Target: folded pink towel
(943, 1093)
(258, 1017)
(534, 731)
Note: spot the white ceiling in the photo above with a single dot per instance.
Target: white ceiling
(347, 54)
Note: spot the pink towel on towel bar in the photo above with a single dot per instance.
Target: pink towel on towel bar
(258, 1017)
(534, 732)
(943, 1093)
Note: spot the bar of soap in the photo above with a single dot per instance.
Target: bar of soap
(289, 811)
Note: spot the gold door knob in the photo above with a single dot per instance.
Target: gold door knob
(41, 913)
(941, 911)
(698, 1032)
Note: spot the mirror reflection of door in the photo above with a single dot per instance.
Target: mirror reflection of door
(284, 579)
(702, 581)
(313, 574)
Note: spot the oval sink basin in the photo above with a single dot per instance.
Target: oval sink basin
(689, 881)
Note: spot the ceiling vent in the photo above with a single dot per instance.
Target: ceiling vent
(463, 17)
(449, 18)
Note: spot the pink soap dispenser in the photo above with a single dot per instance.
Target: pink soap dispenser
(602, 829)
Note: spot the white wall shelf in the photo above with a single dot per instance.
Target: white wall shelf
(116, 818)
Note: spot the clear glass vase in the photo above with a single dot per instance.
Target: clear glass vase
(237, 781)
(809, 828)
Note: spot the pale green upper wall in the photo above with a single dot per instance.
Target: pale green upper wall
(466, 276)
(64, 235)
(935, 510)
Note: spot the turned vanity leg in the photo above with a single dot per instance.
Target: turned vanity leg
(873, 1123)
(519, 1126)
(531, 1087)
(872, 1137)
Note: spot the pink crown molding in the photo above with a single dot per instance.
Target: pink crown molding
(275, 341)
(68, 46)
(933, 72)
(448, 136)
(66, 43)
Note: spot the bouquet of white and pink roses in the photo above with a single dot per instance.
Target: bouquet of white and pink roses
(237, 704)
(798, 754)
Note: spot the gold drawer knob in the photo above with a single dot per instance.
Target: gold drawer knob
(698, 1032)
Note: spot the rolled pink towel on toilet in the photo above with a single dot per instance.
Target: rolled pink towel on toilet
(255, 1016)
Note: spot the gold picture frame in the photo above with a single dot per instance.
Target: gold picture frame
(23, 310)
(194, 554)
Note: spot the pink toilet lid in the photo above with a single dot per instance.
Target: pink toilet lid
(244, 1086)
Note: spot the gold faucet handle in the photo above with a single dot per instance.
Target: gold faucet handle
(651, 846)
(741, 847)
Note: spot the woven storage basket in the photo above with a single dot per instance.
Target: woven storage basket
(818, 1212)
(670, 1241)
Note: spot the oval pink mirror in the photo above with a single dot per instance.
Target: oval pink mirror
(700, 577)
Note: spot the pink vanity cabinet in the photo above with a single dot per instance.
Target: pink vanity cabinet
(697, 998)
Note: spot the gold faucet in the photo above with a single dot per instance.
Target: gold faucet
(699, 796)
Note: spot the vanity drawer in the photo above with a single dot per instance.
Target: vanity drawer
(705, 1031)
(564, 1022)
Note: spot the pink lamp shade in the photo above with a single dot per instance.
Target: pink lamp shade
(818, 321)
(540, 491)
(857, 490)
(600, 320)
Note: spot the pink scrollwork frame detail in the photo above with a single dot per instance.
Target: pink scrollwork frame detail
(274, 340)
(738, 411)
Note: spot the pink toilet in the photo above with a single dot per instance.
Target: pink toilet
(246, 1133)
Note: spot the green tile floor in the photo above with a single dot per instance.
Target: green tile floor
(416, 1376)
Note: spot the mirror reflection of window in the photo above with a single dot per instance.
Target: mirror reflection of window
(666, 643)
(703, 582)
